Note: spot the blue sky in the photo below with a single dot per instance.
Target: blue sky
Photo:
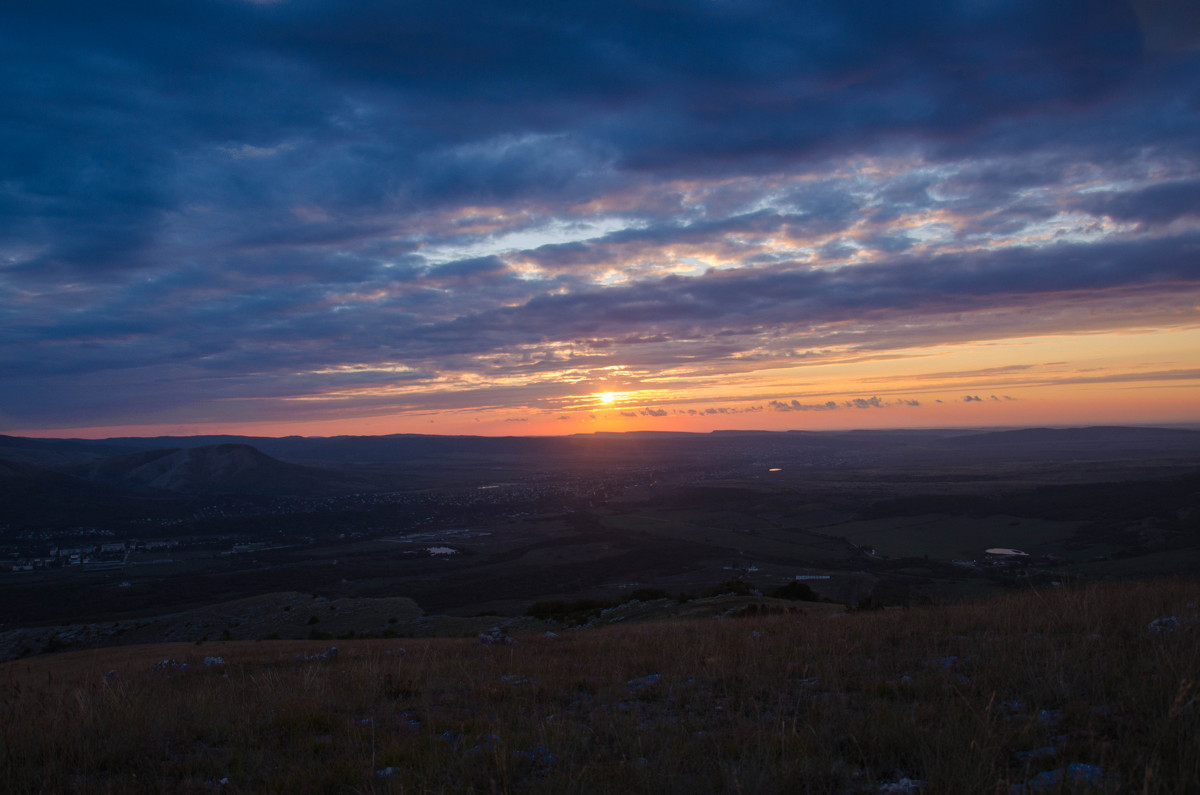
(364, 217)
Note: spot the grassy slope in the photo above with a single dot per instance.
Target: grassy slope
(955, 696)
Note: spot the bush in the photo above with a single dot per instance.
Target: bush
(577, 611)
(648, 595)
(738, 587)
(796, 591)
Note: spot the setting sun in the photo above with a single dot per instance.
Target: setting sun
(606, 397)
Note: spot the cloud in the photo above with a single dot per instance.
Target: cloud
(246, 150)
(220, 210)
(972, 399)
(1154, 205)
(468, 268)
(796, 405)
(874, 402)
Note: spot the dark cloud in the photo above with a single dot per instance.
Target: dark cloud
(1153, 205)
(468, 268)
(924, 285)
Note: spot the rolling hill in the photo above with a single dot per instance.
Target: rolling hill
(212, 469)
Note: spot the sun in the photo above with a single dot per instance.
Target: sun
(606, 397)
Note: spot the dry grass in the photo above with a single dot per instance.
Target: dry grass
(1019, 692)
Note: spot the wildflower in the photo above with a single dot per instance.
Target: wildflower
(1037, 753)
(1052, 780)
(539, 754)
(904, 784)
(1050, 717)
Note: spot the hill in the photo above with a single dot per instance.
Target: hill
(34, 495)
(1074, 690)
(211, 469)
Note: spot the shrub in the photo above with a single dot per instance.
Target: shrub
(796, 591)
(648, 595)
(739, 587)
(577, 611)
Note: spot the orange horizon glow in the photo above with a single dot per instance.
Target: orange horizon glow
(1146, 378)
(1072, 411)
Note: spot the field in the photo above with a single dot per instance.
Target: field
(947, 537)
(1076, 689)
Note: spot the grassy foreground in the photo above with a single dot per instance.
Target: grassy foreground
(1063, 691)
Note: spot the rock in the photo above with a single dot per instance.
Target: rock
(643, 682)
(1165, 624)
(169, 666)
(496, 637)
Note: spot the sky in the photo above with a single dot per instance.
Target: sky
(324, 217)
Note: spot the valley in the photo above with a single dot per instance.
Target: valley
(130, 529)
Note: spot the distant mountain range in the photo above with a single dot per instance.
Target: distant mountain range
(403, 448)
(211, 465)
